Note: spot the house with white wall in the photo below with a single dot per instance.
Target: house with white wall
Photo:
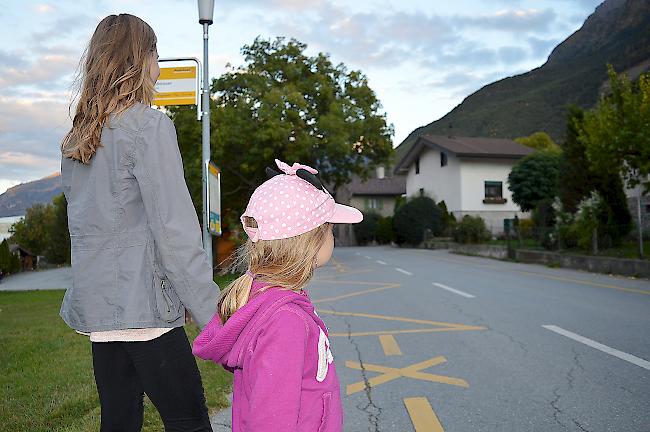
(376, 194)
(469, 174)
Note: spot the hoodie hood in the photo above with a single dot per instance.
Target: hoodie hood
(226, 343)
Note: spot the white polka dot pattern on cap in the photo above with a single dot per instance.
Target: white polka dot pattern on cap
(286, 206)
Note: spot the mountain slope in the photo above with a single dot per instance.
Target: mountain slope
(19, 198)
(618, 32)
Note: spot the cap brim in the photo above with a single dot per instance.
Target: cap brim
(345, 214)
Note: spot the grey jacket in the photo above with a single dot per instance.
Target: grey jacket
(137, 256)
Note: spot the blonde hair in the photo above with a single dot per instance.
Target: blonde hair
(113, 75)
(285, 263)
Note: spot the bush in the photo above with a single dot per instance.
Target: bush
(366, 230)
(385, 233)
(9, 263)
(414, 217)
(471, 229)
(526, 228)
(448, 219)
(544, 220)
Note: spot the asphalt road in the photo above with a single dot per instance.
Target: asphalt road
(494, 346)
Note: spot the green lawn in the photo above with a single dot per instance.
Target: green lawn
(46, 377)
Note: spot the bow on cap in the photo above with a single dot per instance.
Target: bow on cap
(291, 170)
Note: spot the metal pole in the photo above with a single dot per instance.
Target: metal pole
(639, 222)
(207, 237)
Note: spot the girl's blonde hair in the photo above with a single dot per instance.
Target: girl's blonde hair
(285, 263)
(113, 75)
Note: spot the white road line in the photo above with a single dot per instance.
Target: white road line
(403, 271)
(604, 348)
(381, 262)
(368, 257)
(455, 291)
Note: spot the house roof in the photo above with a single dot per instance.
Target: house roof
(395, 185)
(476, 147)
(13, 247)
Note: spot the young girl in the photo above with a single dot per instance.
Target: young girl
(266, 330)
(137, 255)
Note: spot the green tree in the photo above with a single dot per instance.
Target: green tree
(57, 249)
(580, 176)
(540, 141)
(31, 231)
(285, 104)
(534, 178)
(617, 131)
(576, 180)
(44, 230)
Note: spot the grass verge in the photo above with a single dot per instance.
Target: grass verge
(46, 376)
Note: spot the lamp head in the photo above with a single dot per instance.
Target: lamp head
(206, 10)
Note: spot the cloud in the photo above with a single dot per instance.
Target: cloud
(26, 160)
(520, 20)
(541, 47)
(45, 71)
(65, 28)
(30, 136)
(44, 8)
(385, 39)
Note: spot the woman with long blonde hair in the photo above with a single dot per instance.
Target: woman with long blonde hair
(266, 329)
(137, 256)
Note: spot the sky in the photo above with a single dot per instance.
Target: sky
(422, 58)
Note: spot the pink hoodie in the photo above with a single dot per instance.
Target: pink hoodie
(278, 349)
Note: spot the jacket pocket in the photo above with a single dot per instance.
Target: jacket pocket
(168, 305)
(326, 397)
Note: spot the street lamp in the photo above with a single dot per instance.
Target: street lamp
(206, 10)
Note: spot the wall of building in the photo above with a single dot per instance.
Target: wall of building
(473, 175)
(438, 183)
(385, 205)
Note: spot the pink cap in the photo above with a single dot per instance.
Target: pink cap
(287, 205)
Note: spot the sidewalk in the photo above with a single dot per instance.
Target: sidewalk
(222, 421)
(59, 278)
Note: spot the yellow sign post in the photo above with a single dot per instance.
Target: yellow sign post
(177, 86)
(214, 198)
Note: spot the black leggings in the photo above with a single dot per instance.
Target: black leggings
(164, 369)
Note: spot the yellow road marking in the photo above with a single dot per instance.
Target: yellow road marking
(409, 331)
(339, 267)
(357, 293)
(347, 272)
(389, 374)
(392, 318)
(438, 326)
(389, 345)
(422, 415)
(583, 282)
(347, 282)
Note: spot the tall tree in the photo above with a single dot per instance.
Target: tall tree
(285, 104)
(575, 180)
(57, 248)
(31, 231)
(617, 131)
(579, 176)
